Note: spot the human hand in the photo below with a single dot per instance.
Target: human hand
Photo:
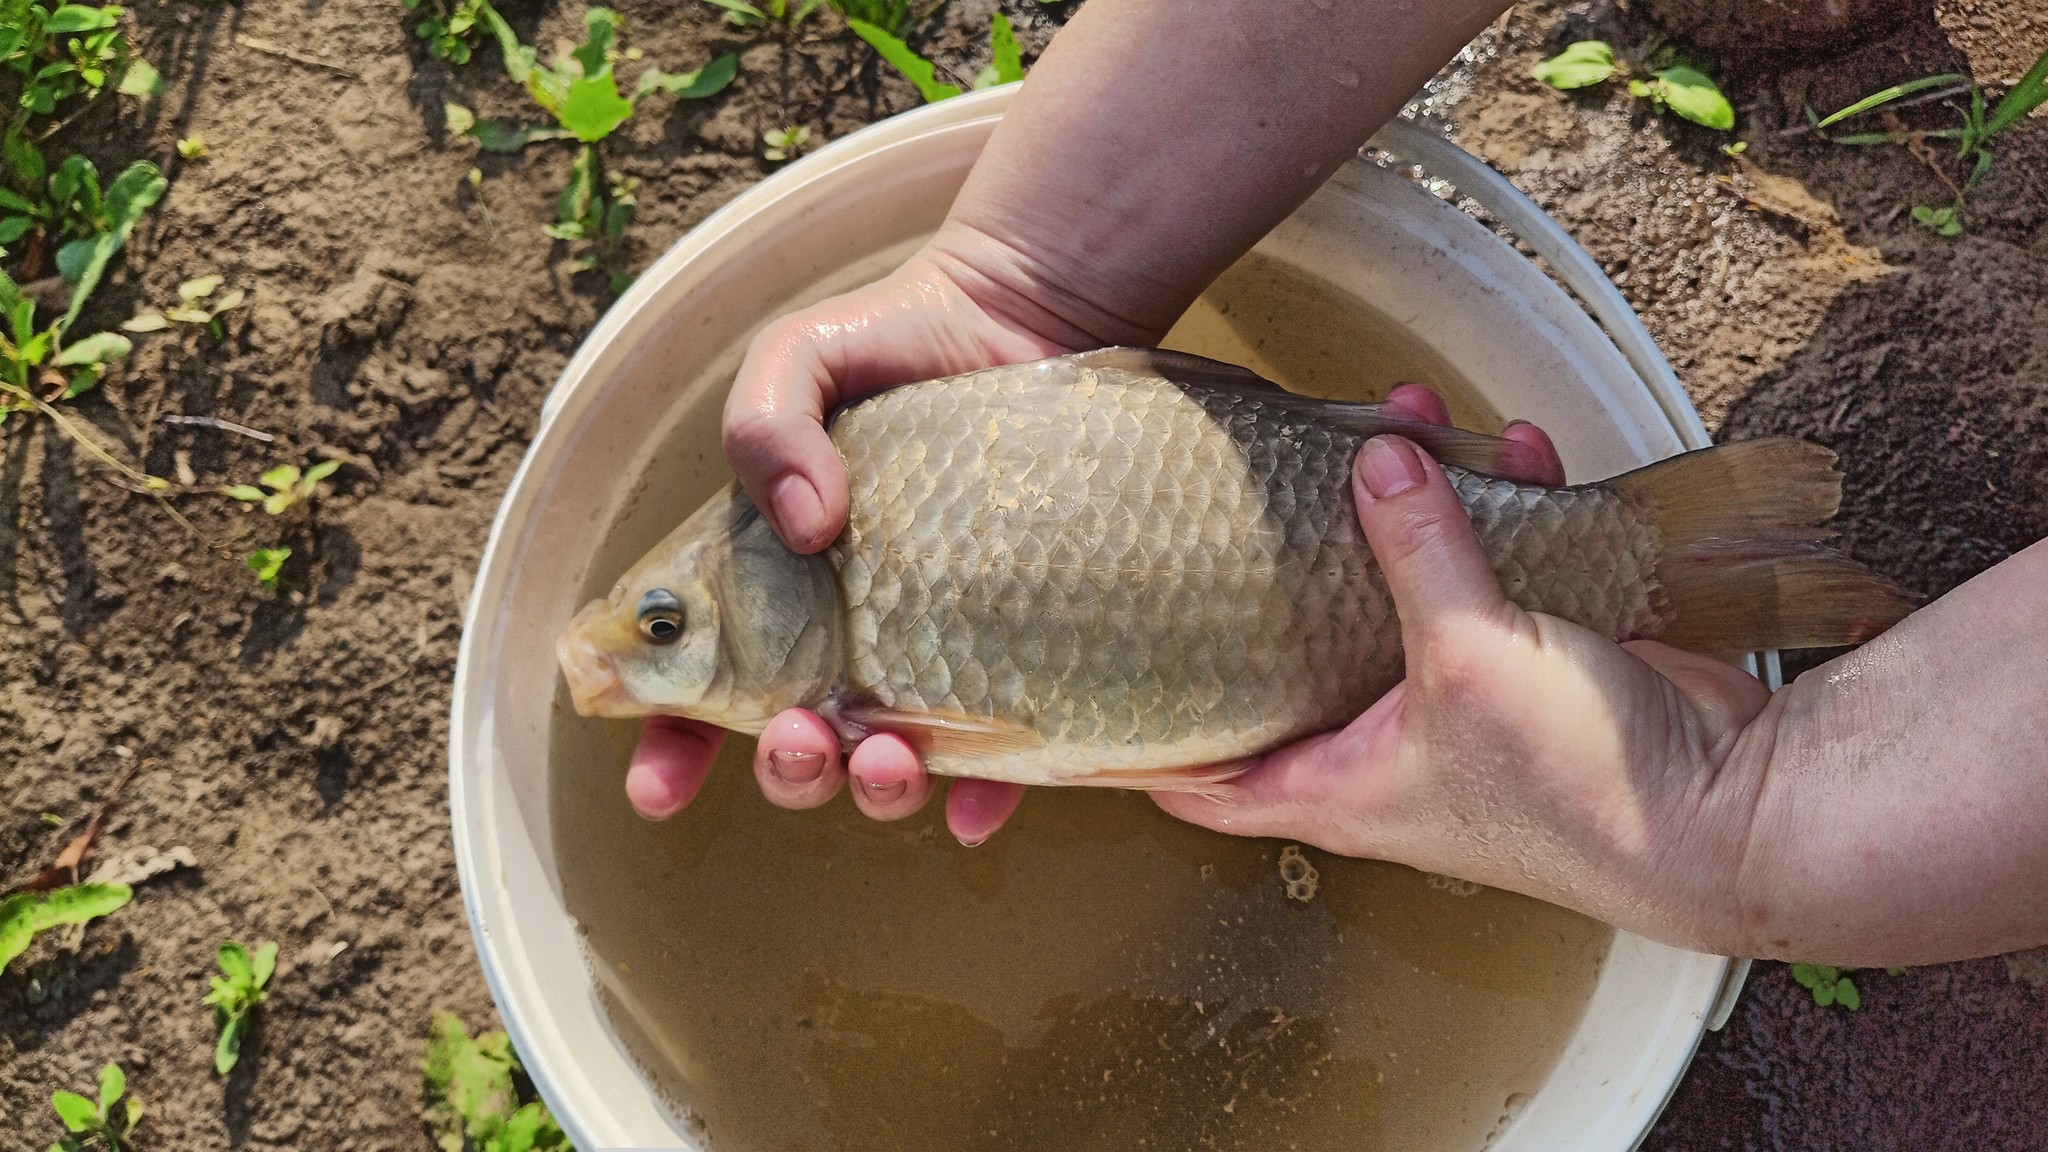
(1521, 751)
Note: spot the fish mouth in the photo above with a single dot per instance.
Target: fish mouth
(594, 683)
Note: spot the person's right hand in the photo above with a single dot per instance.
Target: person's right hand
(963, 302)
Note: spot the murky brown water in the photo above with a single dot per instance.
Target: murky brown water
(1097, 976)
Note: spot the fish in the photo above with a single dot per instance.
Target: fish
(1138, 568)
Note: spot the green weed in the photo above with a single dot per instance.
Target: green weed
(52, 53)
(580, 91)
(1981, 122)
(784, 143)
(767, 12)
(1006, 63)
(268, 565)
(103, 1123)
(450, 30)
(25, 914)
(236, 993)
(470, 1094)
(196, 306)
(1671, 84)
(192, 147)
(1828, 985)
(286, 486)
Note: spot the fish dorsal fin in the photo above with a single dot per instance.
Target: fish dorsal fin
(1471, 451)
(950, 734)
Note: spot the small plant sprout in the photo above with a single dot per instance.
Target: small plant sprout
(767, 12)
(196, 305)
(581, 92)
(784, 143)
(450, 30)
(236, 993)
(192, 148)
(1828, 985)
(268, 565)
(25, 914)
(1670, 85)
(1940, 221)
(1006, 63)
(469, 1094)
(286, 484)
(106, 1123)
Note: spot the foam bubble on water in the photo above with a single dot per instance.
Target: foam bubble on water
(1298, 874)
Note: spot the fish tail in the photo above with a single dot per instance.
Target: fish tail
(1743, 562)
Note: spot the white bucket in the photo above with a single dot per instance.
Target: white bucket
(843, 216)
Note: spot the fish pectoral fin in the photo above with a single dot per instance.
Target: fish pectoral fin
(950, 734)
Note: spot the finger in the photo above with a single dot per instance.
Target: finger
(976, 808)
(1541, 450)
(1415, 402)
(797, 760)
(1422, 539)
(888, 782)
(774, 435)
(669, 765)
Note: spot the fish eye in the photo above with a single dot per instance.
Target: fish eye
(661, 616)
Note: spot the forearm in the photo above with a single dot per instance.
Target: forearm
(1156, 141)
(1902, 811)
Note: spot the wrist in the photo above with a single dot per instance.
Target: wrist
(1031, 291)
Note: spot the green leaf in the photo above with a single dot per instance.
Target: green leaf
(505, 137)
(531, 1129)
(1887, 95)
(573, 206)
(706, 81)
(460, 119)
(265, 961)
(227, 1051)
(594, 107)
(76, 1111)
(2030, 93)
(314, 475)
(82, 381)
(600, 28)
(277, 502)
(1581, 65)
(466, 1084)
(267, 563)
(518, 57)
(70, 18)
(1847, 996)
(741, 7)
(27, 913)
(198, 288)
(16, 202)
(234, 960)
(247, 493)
(1693, 95)
(920, 71)
(98, 348)
(1824, 994)
(13, 228)
(140, 80)
(1805, 975)
(131, 194)
(1008, 58)
(113, 1085)
(280, 478)
(25, 158)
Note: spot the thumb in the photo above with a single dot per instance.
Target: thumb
(1423, 540)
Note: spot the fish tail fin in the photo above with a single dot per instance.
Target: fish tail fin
(1743, 562)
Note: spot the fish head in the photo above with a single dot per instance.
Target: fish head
(720, 622)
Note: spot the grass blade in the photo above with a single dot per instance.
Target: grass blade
(2030, 93)
(917, 69)
(1896, 91)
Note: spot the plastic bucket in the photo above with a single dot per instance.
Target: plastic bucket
(655, 370)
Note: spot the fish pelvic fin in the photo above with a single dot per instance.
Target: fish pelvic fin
(1471, 451)
(950, 735)
(1743, 562)
(1209, 780)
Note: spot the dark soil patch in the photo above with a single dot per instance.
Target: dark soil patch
(397, 320)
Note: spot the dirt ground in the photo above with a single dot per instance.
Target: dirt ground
(409, 326)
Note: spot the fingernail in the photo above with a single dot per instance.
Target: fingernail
(796, 767)
(1390, 467)
(966, 843)
(798, 509)
(883, 791)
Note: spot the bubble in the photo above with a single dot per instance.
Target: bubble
(1297, 874)
(1453, 885)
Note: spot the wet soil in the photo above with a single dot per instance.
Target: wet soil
(408, 325)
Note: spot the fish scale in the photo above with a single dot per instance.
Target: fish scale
(1161, 572)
